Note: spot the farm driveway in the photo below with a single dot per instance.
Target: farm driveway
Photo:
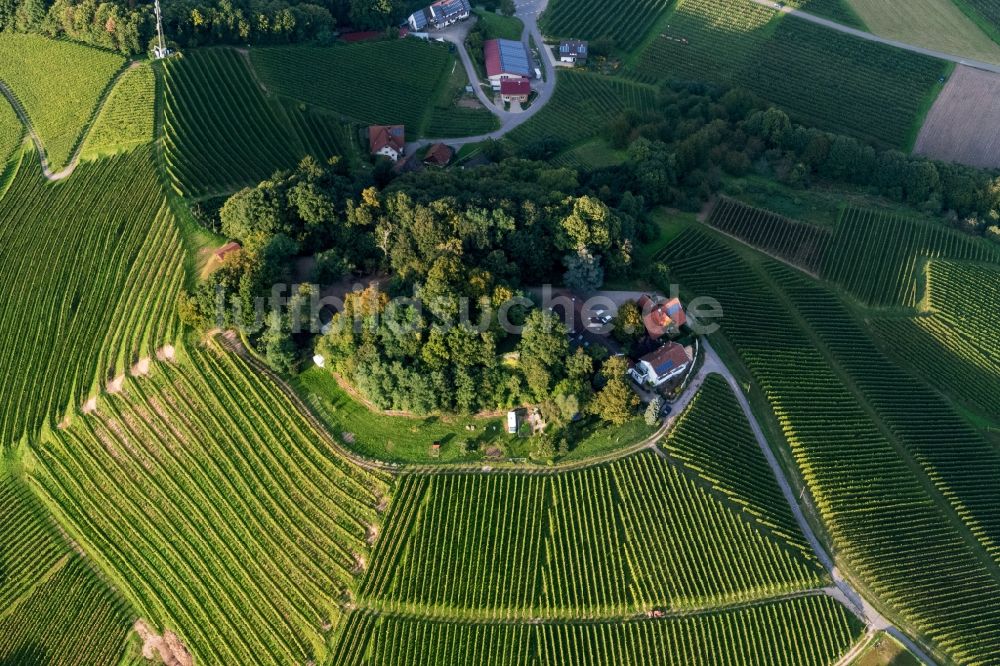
(528, 11)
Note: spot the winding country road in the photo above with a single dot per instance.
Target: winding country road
(528, 11)
(22, 115)
(861, 34)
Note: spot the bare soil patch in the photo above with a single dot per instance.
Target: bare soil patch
(165, 353)
(90, 406)
(168, 647)
(116, 384)
(964, 124)
(141, 368)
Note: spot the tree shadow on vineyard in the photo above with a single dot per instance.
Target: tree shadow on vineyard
(26, 655)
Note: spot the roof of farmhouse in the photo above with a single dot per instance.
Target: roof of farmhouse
(505, 56)
(666, 358)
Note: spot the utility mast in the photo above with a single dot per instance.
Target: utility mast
(160, 51)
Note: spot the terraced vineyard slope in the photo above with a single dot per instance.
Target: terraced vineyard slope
(812, 630)
(878, 256)
(53, 608)
(217, 508)
(105, 298)
(11, 132)
(59, 85)
(877, 476)
(625, 22)
(383, 82)
(803, 245)
(820, 76)
(582, 106)
(954, 344)
(126, 119)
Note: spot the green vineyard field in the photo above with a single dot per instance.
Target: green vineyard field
(11, 133)
(53, 609)
(796, 632)
(112, 261)
(221, 132)
(625, 22)
(877, 256)
(126, 119)
(871, 91)
(873, 497)
(954, 345)
(798, 243)
(582, 106)
(714, 440)
(216, 508)
(385, 82)
(837, 10)
(442, 554)
(984, 11)
(59, 84)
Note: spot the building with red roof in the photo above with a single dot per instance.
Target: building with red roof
(506, 59)
(515, 90)
(388, 140)
(661, 318)
(227, 249)
(438, 155)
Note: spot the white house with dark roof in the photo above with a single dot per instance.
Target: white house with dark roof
(666, 363)
(573, 51)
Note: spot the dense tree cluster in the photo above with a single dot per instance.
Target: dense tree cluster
(129, 27)
(678, 155)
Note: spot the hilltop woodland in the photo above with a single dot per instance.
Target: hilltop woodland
(485, 234)
(129, 27)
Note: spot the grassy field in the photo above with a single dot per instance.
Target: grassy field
(581, 108)
(625, 22)
(837, 10)
(448, 119)
(112, 263)
(59, 85)
(11, 132)
(882, 456)
(821, 77)
(985, 14)
(934, 24)
(126, 119)
(498, 26)
(403, 439)
(810, 631)
(385, 82)
(216, 508)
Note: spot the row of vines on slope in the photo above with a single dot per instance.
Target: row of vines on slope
(112, 261)
(216, 509)
(806, 631)
(871, 497)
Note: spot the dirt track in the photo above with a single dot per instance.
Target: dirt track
(964, 123)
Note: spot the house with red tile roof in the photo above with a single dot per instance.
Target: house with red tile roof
(515, 90)
(227, 249)
(388, 140)
(438, 155)
(661, 318)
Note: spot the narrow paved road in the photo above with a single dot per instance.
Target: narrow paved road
(845, 592)
(861, 34)
(68, 170)
(528, 11)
